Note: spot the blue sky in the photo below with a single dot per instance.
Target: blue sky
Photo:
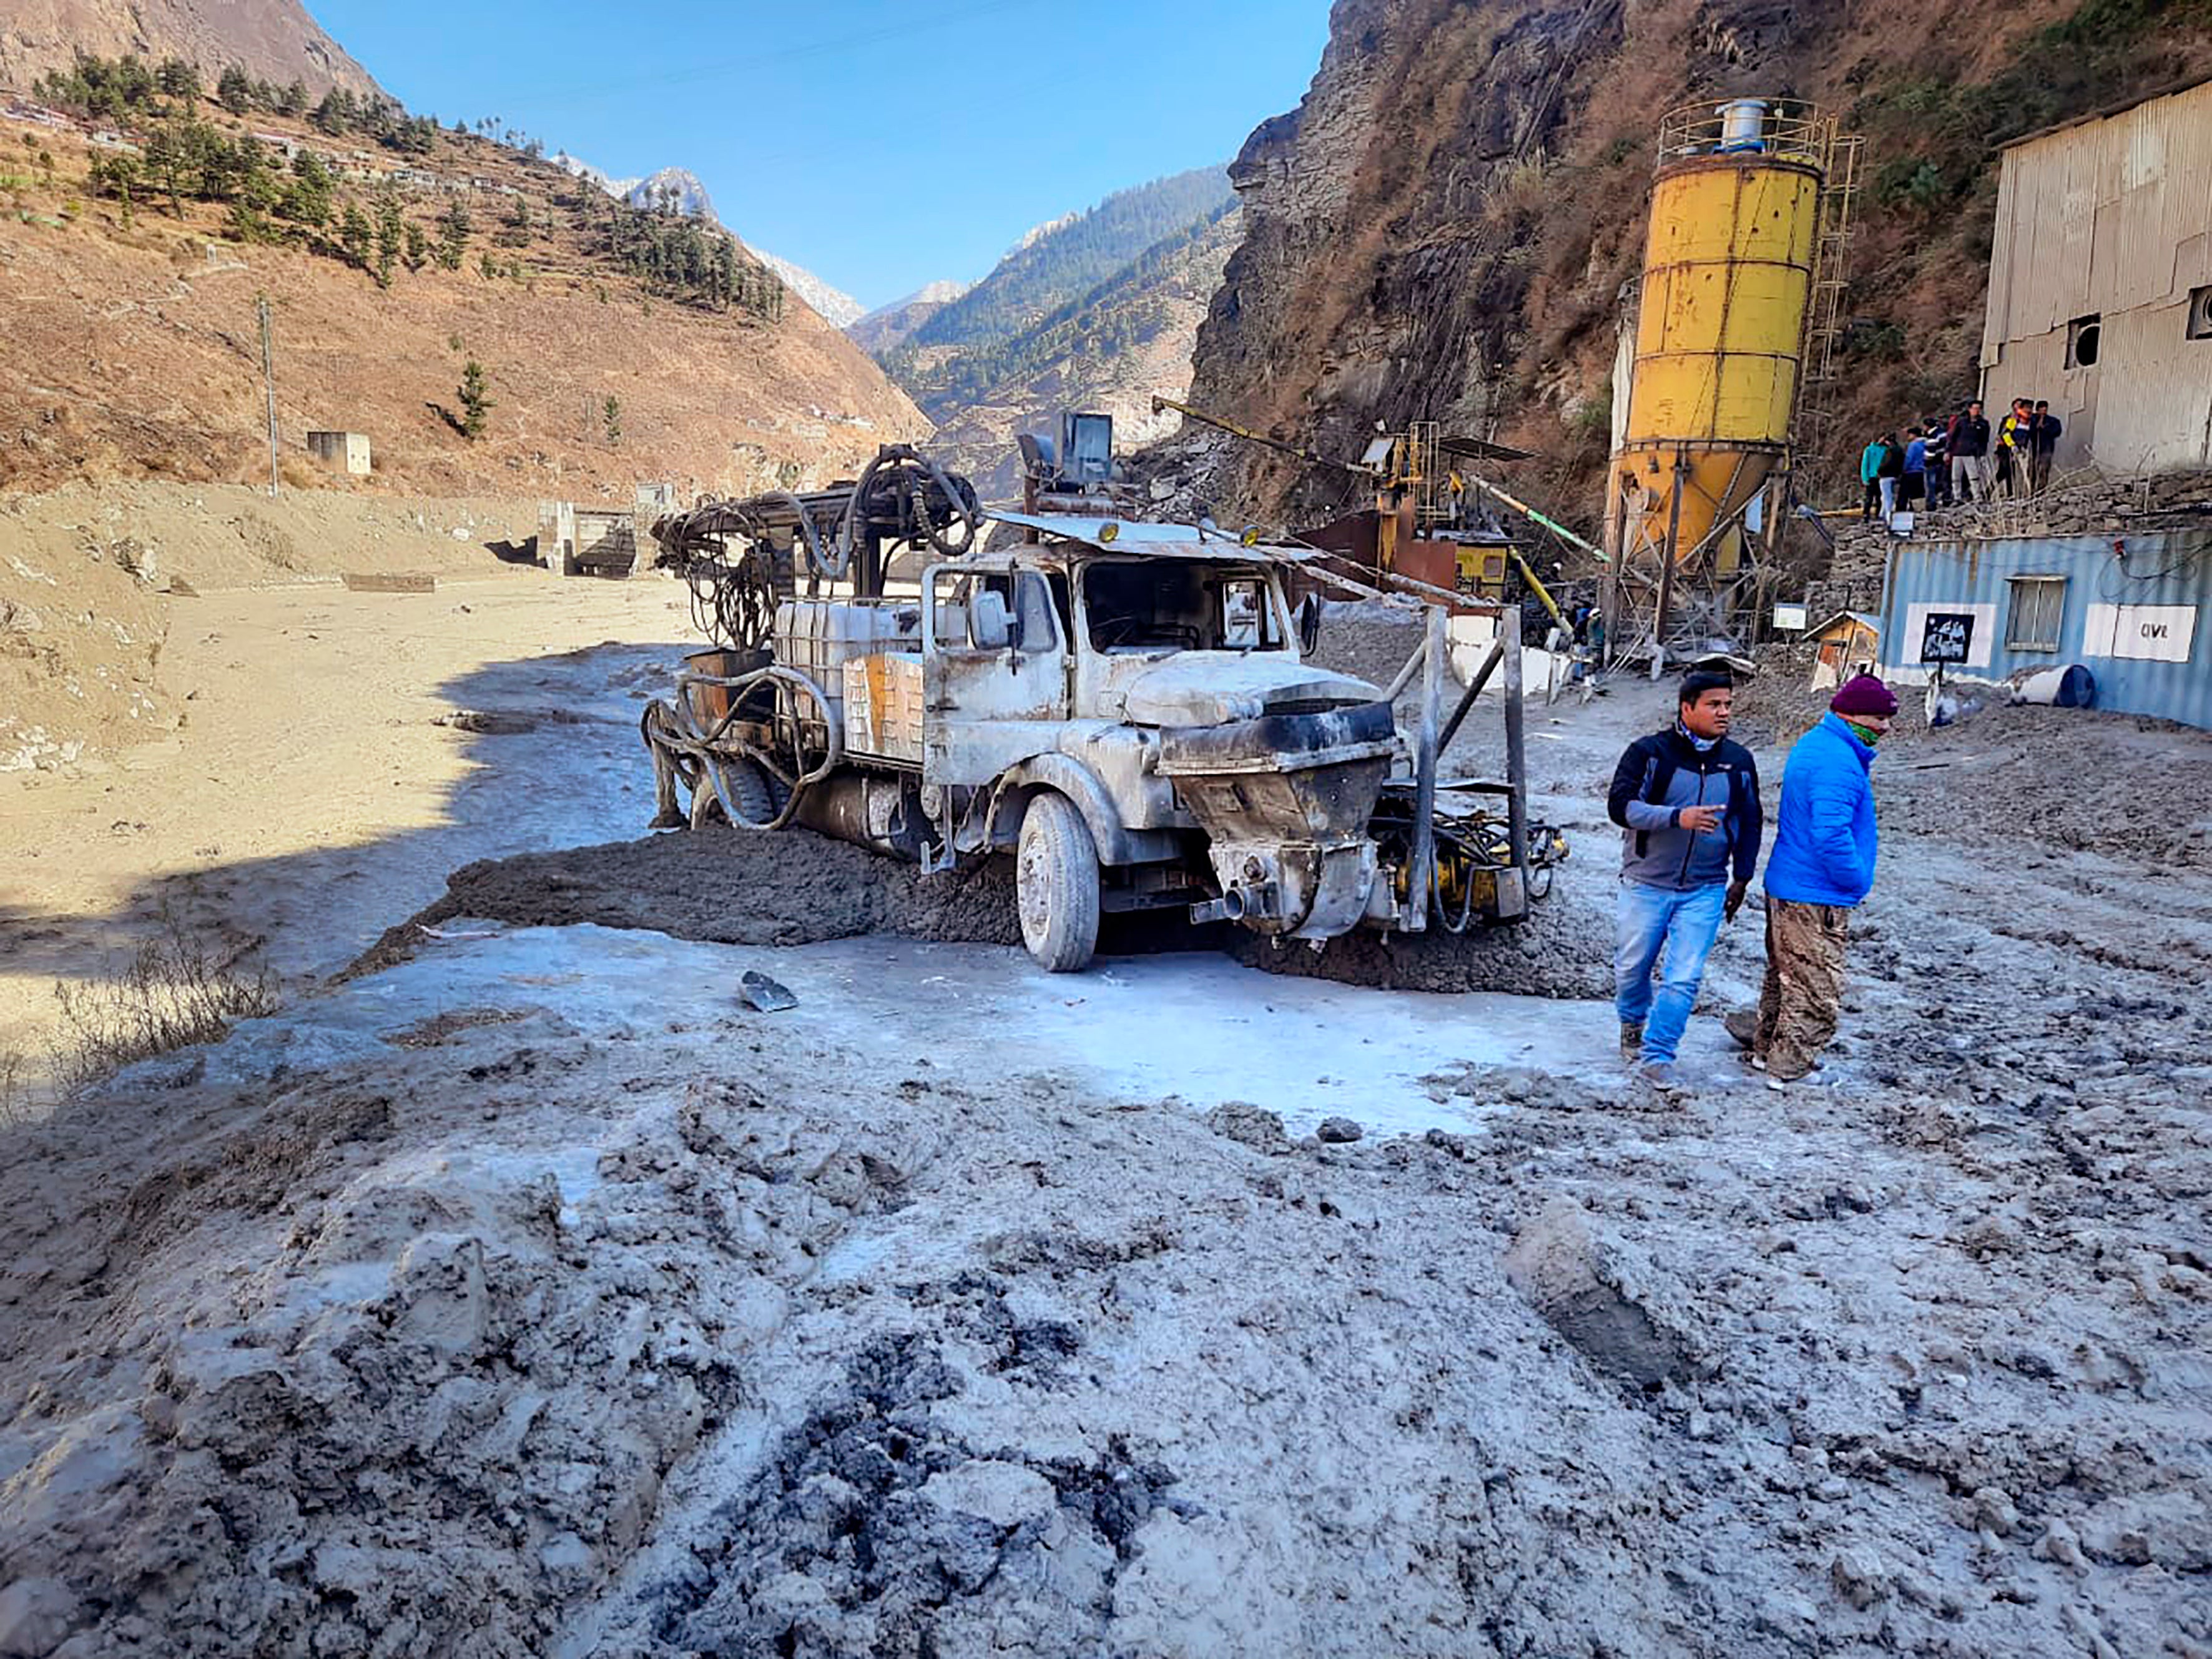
(882, 145)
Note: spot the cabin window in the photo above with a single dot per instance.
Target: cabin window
(2083, 337)
(2200, 314)
(1158, 605)
(2038, 604)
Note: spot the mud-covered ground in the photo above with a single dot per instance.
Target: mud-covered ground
(520, 1299)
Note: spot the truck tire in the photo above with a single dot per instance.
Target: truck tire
(1056, 884)
(749, 792)
(754, 791)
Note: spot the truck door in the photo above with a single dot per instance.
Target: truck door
(994, 660)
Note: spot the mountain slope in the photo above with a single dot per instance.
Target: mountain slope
(887, 326)
(953, 357)
(1444, 228)
(678, 191)
(133, 349)
(835, 307)
(273, 40)
(1111, 350)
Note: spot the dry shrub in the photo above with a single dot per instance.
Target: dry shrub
(15, 1093)
(178, 990)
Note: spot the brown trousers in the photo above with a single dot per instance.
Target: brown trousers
(1803, 995)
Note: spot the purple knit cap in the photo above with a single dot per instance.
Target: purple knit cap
(1864, 695)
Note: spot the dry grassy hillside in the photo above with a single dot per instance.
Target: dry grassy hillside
(133, 346)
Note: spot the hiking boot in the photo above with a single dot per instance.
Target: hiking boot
(1632, 1041)
(1743, 1026)
(1659, 1077)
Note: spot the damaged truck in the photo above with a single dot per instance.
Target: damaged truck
(1127, 707)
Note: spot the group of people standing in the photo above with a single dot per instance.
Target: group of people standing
(1687, 800)
(1960, 459)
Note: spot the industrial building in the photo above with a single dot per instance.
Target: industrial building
(2100, 285)
(2129, 609)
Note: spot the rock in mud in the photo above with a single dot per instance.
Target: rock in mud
(1338, 1131)
(1597, 1296)
(1248, 1125)
(35, 1613)
(1860, 1576)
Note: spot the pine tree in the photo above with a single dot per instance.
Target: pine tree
(307, 199)
(453, 228)
(475, 402)
(233, 90)
(354, 236)
(179, 80)
(610, 411)
(389, 232)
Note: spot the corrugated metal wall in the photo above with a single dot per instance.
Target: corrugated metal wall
(2172, 570)
(2111, 218)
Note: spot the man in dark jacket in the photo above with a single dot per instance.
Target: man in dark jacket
(1687, 800)
(1821, 869)
(1970, 453)
(1939, 465)
(2043, 433)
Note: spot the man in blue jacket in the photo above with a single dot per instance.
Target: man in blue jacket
(1821, 867)
(1687, 800)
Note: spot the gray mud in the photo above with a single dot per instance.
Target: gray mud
(728, 886)
(1564, 949)
(560, 1327)
(725, 886)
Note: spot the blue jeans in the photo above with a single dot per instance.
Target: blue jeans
(1682, 925)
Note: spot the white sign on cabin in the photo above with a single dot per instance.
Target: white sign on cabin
(2151, 633)
(1981, 622)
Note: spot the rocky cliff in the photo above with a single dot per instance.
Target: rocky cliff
(1111, 352)
(270, 39)
(1444, 228)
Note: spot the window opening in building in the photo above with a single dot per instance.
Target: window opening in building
(2038, 604)
(2082, 338)
(2200, 312)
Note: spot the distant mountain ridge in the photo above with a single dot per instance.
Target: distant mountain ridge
(273, 40)
(1111, 349)
(953, 357)
(878, 331)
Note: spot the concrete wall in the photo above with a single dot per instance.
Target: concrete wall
(2111, 218)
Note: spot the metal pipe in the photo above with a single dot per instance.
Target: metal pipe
(1535, 517)
(1422, 876)
(1667, 568)
(1262, 438)
(1542, 592)
(1474, 690)
(1516, 755)
(1420, 654)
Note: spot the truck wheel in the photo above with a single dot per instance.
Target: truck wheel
(1056, 884)
(752, 791)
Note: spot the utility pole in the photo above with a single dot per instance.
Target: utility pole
(269, 382)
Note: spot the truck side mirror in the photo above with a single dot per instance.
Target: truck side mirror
(1309, 622)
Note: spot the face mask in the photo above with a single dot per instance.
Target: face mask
(1869, 738)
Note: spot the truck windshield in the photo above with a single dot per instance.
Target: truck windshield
(1156, 604)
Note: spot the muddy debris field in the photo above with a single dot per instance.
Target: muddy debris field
(515, 1296)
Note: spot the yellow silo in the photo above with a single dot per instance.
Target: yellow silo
(1727, 280)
